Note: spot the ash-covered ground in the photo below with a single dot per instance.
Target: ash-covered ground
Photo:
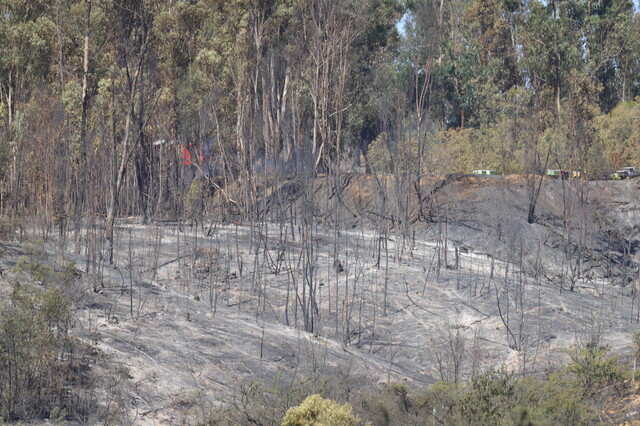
(410, 289)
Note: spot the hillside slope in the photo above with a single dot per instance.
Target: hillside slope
(187, 315)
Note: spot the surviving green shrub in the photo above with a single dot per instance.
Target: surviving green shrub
(496, 397)
(556, 399)
(489, 397)
(318, 411)
(44, 372)
(36, 267)
(392, 404)
(38, 271)
(619, 133)
(379, 156)
(442, 401)
(33, 262)
(267, 403)
(463, 150)
(593, 367)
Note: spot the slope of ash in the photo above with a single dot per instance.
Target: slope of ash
(362, 284)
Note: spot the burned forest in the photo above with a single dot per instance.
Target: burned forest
(319, 212)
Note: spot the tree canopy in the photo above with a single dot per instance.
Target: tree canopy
(303, 85)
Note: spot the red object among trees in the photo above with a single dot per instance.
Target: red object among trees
(186, 156)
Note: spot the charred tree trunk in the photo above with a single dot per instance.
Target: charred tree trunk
(128, 146)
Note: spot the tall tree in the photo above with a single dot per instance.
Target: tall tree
(25, 53)
(133, 36)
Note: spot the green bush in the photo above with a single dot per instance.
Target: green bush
(556, 399)
(489, 398)
(392, 403)
(636, 346)
(44, 372)
(379, 156)
(318, 411)
(593, 367)
(267, 403)
(619, 133)
(496, 397)
(36, 267)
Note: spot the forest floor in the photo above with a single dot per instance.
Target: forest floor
(189, 314)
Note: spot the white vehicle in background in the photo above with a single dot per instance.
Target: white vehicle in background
(631, 171)
(485, 172)
(624, 173)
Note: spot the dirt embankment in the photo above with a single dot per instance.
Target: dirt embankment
(594, 222)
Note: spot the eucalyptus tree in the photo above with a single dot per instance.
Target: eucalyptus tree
(26, 31)
(610, 31)
(133, 34)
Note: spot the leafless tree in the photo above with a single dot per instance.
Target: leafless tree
(448, 350)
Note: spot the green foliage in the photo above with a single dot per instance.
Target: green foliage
(442, 400)
(620, 131)
(269, 77)
(463, 150)
(593, 367)
(194, 203)
(556, 399)
(41, 367)
(489, 397)
(316, 410)
(494, 397)
(268, 403)
(36, 270)
(72, 102)
(391, 402)
(379, 155)
(35, 266)
(221, 67)
(33, 263)
(28, 41)
(497, 397)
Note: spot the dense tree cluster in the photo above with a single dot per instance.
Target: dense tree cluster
(112, 107)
